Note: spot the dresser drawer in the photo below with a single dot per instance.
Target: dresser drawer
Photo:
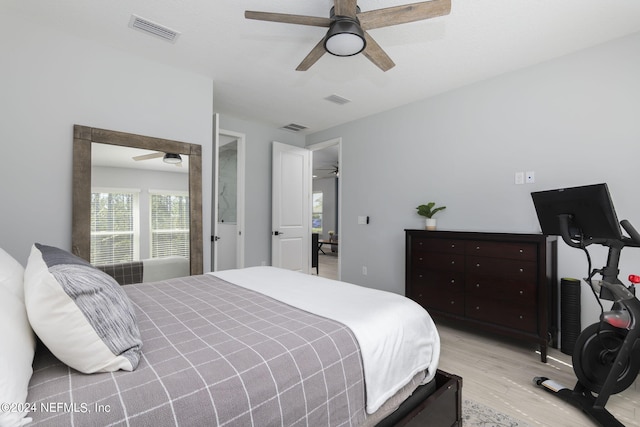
(509, 293)
(439, 280)
(438, 261)
(502, 313)
(438, 245)
(444, 300)
(503, 269)
(508, 250)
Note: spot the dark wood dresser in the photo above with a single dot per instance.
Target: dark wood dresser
(501, 282)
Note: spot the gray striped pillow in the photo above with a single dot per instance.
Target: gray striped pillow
(80, 313)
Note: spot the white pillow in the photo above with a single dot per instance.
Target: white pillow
(80, 313)
(18, 342)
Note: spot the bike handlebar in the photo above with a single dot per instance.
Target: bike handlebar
(633, 233)
(633, 240)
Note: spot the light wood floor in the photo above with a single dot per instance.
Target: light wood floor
(499, 372)
(327, 266)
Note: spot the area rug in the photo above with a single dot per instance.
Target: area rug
(476, 414)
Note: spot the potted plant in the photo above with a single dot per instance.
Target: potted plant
(428, 211)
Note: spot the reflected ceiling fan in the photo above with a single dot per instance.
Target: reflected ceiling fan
(334, 170)
(347, 34)
(170, 158)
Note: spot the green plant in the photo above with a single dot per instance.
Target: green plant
(428, 210)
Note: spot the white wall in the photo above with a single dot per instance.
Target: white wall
(50, 81)
(574, 121)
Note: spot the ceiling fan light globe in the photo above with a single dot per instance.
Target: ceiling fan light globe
(344, 38)
(172, 158)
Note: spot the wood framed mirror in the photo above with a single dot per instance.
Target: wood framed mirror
(84, 137)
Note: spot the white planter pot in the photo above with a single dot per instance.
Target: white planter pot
(430, 223)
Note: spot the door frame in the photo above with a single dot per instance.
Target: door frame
(319, 146)
(240, 241)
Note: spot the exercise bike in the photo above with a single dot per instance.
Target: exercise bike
(606, 356)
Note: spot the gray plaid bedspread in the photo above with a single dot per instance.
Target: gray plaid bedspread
(213, 354)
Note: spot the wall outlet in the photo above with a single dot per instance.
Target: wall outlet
(364, 270)
(519, 178)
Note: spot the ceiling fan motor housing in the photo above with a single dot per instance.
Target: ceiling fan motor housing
(345, 37)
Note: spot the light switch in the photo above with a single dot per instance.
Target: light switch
(530, 177)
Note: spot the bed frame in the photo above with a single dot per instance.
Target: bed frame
(441, 407)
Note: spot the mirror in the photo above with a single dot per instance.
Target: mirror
(85, 138)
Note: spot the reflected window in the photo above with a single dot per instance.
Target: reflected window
(316, 216)
(169, 224)
(114, 226)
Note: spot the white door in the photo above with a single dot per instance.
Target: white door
(291, 208)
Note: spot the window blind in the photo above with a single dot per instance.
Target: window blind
(169, 225)
(113, 233)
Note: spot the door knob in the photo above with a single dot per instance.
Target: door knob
(277, 233)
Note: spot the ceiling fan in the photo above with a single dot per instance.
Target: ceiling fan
(170, 158)
(347, 34)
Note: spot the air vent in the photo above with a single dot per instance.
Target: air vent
(149, 27)
(337, 99)
(294, 127)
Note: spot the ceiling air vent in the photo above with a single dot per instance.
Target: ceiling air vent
(150, 27)
(337, 99)
(294, 127)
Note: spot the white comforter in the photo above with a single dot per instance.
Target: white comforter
(397, 337)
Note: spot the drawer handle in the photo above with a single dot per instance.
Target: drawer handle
(453, 281)
(453, 245)
(521, 251)
(453, 262)
(420, 243)
(521, 292)
(478, 308)
(452, 302)
(420, 259)
(477, 285)
(521, 317)
(521, 270)
(478, 265)
(420, 276)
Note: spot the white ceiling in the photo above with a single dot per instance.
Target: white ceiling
(252, 63)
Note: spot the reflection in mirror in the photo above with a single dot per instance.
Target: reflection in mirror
(139, 206)
(228, 182)
(134, 203)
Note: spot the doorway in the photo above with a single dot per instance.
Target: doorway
(326, 209)
(228, 210)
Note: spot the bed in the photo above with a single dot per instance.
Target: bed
(258, 346)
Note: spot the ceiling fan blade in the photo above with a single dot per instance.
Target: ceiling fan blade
(148, 156)
(402, 14)
(313, 56)
(374, 52)
(288, 19)
(345, 8)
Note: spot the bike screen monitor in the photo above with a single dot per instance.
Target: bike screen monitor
(590, 210)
